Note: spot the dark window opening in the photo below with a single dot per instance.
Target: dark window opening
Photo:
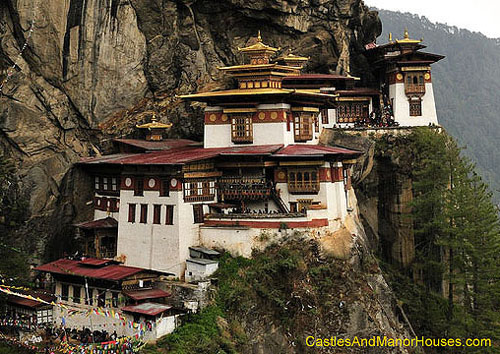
(165, 188)
(198, 213)
(156, 214)
(169, 217)
(64, 292)
(144, 213)
(131, 212)
(77, 294)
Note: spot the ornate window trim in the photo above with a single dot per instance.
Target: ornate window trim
(303, 181)
(241, 128)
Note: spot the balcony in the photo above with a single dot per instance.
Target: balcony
(245, 188)
(415, 89)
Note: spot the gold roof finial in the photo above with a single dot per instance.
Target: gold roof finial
(407, 39)
(259, 38)
(154, 124)
(390, 37)
(407, 35)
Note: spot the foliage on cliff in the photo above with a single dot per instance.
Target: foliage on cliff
(457, 242)
(279, 297)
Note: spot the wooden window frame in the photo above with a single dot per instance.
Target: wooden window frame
(132, 211)
(303, 126)
(169, 215)
(324, 116)
(242, 129)
(299, 184)
(197, 190)
(415, 83)
(144, 214)
(415, 107)
(352, 112)
(157, 214)
(198, 215)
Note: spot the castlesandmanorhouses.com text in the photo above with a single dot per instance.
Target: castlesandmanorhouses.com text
(383, 341)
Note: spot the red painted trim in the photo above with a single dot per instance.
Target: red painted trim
(267, 116)
(213, 118)
(156, 187)
(325, 174)
(123, 186)
(267, 224)
(337, 174)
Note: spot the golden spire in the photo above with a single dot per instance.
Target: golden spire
(155, 128)
(407, 39)
(259, 53)
(390, 37)
(259, 38)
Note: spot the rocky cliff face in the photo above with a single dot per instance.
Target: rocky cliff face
(93, 68)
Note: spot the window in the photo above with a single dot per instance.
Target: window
(139, 186)
(316, 124)
(293, 207)
(415, 83)
(169, 216)
(199, 190)
(156, 214)
(304, 204)
(415, 108)
(303, 181)
(302, 126)
(131, 212)
(114, 299)
(144, 213)
(165, 187)
(198, 213)
(77, 294)
(114, 184)
(324, 116)
(350, 112)
(242, 129)
(64, 292)
(97, 185)
(44, 316)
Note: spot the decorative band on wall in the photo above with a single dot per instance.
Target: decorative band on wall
(267, 224)
(127, 183)
(325, 174)
(263, 116)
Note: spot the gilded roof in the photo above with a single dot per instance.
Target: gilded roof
(258, 47)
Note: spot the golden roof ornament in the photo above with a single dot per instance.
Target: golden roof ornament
(407, 39)
(390, 37)
(259, 53)
(154, 124)
(155, 128)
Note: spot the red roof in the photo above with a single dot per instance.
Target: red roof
(22, 301)
(145, 294)
(166, 144)
(181, 156)
(94, 261)
(147, 308)
(112, 272)
(306, 150)
(106, 223)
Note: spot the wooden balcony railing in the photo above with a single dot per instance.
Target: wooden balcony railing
(245, 188)
(415, 89)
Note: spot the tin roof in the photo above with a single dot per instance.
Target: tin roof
(105, 223)
(21, 301)
(113, 272)
(205, 250)
(181, 156)
(145, 294)
(147, 308)
(306, 150)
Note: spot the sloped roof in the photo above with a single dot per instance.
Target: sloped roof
(145, 294)
(105, 223)
(109, 271)
(307, 150)
(166, 144)
(22, 301)
(147, 308)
